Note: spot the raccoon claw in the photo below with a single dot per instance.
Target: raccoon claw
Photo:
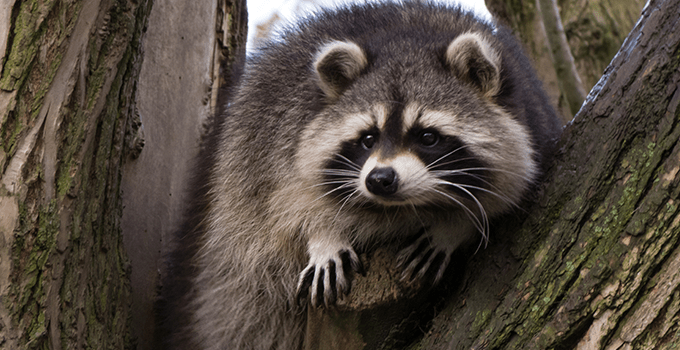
(423, 257)
(328, 277)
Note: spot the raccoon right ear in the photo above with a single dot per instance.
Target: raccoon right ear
(337, 65)
(472, 59)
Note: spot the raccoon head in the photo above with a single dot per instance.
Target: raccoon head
(473, 156)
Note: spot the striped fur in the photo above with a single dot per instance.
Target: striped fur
(358, 127)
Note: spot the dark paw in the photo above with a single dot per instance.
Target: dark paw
(327, 277)
(424, 260)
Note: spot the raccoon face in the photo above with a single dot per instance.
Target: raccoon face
(397, 161)
(387, 153)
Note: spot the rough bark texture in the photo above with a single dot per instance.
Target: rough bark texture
(596, 264)
(67, 87)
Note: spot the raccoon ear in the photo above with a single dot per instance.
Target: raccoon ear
(472, 59)
(337, 64)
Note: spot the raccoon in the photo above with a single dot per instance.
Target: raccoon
(362, 126)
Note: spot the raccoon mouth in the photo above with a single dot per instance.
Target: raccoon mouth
(391, 201)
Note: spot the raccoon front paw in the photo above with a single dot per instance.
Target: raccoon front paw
(427, 256)
(327, 276)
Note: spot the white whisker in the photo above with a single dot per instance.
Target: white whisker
(335, 181)
(502, 197)
(457, 160)
(483, 225)
(339, 172)
(429, 166)
(453, 171)
(475, 220)
(344, 186)
(485, 218)
(343, 205)
(495, 191)
(352, 164)
(345, 181)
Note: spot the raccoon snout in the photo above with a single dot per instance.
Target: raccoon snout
(382, 181)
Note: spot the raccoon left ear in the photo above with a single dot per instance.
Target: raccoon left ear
(472, 59)
(337, 64)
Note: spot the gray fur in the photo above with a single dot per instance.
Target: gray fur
(275, 213)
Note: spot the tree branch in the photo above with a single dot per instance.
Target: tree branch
(568, 77)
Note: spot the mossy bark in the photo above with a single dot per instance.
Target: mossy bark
(594, 266)
(67, 88)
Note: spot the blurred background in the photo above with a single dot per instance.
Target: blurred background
(265, 16)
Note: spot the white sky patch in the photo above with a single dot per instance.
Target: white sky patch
(260, 11)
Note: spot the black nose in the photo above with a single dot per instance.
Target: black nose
(382, 181)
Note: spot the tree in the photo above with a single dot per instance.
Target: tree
(184, 48)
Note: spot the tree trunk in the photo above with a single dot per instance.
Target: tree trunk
(596, 265)
(74, 151)
(186, 48)
(68, 83)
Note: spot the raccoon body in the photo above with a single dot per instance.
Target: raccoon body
(360, 127)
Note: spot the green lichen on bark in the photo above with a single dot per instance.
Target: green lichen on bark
(40, 30)
(105, 310)
(29, 28)
(34, 243)
(613, 200)
(70, 277)
(75, 128)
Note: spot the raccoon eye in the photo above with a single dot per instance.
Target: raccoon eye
(428, 138)
(368, 141)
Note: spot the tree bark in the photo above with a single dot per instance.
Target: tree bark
(595, 30)
(72, 142)
(67, 109)
(187, 48)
